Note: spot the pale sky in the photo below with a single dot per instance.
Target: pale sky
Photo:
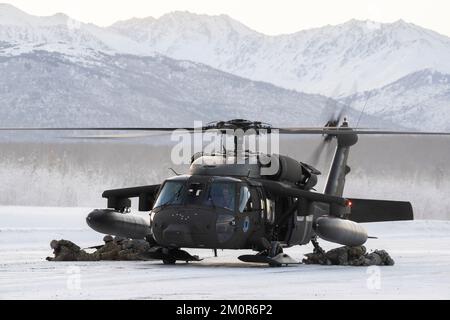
(266, 16)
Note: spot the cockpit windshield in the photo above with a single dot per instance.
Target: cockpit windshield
(195, 193)
(216, 194)
(171, 193)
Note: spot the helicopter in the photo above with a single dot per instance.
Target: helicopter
(229, 200)
(222, 203)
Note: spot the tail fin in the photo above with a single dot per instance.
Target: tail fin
(339, 168)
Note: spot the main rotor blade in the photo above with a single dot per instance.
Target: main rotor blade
(305, 130)
(118, 136)
(291, 130)
(341, 131)
(96, 129)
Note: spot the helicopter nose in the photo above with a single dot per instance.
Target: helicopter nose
(176, 234)
(192, 228)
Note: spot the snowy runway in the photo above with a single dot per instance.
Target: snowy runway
(421, 250)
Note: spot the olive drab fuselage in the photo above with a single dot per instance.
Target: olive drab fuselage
(205, 224)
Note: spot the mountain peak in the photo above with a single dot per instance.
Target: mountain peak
(368, 22)
(192, 15)
(371, 24)
(182, 14)
(178, 23)
(58, 18)
(9, 7)
(135, 21)
(60, 15)
(194, 20)
(400, 22)
(10, 14)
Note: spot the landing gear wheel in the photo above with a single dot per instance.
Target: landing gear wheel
(169, 261)
(151, 241)
(275, 249)
(274, 264)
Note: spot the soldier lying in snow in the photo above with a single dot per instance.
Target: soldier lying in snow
(65, 250)
(126, 249)
(114, 249)
(349, 256)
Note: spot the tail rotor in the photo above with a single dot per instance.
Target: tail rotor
(333, 122)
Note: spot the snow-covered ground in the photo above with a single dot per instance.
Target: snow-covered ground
(421, 250)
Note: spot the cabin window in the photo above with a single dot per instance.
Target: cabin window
(255, 196)
(262, 203)
(270, 207)
(263, 208)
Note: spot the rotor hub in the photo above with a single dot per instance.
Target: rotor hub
(237, 124)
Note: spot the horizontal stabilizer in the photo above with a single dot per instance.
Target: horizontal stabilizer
(364, 210)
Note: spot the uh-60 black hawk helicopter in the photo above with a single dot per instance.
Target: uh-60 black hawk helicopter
(223, 203)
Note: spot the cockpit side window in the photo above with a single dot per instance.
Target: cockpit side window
(245, 200)
(221, 195)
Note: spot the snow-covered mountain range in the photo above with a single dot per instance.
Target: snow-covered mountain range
(333, 60)
(391, 63)
(23, 33)
(48, 89)
(419, 100)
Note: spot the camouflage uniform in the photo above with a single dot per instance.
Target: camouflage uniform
(338, 256)
(356, 256)
(316, 258)
(117, 248)
(84, 256)
(109, 251)
(385, 257)
(373, 259)
(353, 256)
(132, 249)
(65, 250)
(376, 258)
